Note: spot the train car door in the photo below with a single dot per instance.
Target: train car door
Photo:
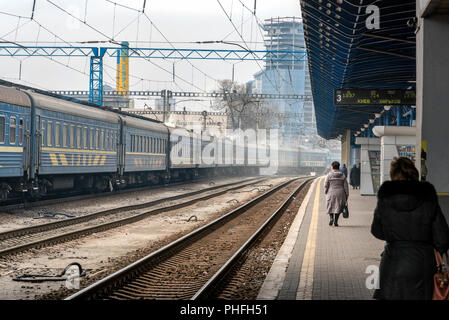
(38, 141)
(26, 146)
(121, 147)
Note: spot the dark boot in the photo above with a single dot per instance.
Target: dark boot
(336, 219)
(331, 222)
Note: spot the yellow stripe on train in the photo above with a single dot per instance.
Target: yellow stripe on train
(77, 160)
(139, 162)
(11, 149)
(54, 159)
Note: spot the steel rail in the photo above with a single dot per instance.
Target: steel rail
(71, 221)
(108, 225)
(115, 280)
(76, 197)
(221, 273)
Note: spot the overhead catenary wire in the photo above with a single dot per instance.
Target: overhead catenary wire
(115, 42)
(160, 32)
(247, 47)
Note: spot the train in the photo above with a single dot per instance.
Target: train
(302, 160)
(51, 144)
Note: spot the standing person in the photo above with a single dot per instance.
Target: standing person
(344, 170)
(337, 192)
(357, 177)
(409, 218)
(352, 175)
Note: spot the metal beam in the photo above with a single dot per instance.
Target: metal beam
(157, 53)
(201, 113)
(96, 58)
(115, 93)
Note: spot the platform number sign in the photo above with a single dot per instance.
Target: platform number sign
(380, 97)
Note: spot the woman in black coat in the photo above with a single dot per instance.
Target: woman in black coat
(352, 176)
(409, 218)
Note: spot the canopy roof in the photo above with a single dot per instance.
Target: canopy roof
(344, 53)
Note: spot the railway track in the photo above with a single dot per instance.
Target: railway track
(46, 234)
(76, 196)
(190, 267)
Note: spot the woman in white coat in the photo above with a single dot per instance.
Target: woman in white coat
(337, 193)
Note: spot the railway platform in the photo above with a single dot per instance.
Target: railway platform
(319, 262)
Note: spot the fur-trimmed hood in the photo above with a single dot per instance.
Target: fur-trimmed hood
(336, 175)
(420, 189)
(407, 195)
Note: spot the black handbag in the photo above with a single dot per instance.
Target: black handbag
(345, 211)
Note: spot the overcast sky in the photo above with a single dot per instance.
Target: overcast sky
(181, 21)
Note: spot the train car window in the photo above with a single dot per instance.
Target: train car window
(85, 139)
(64, 135)
(97, 139)
(2, 129)
(91, 138)
(72, 136)
(57, 132)
(106, 140)
(78, 137)
(111, 137)
(12, 130)
(102, 140)
(49, 133)
(43, 133)
(20, 131)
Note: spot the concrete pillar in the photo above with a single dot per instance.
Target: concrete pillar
(394, 139)
(432, 101)
(346, 148)
(370, 165)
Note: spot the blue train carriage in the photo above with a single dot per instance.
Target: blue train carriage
(145, 156)
(15, 120)
(288, 159)
(76, 146)
(208, 158)
(252, 158)
(225, 158)
(313, 160)
(181, 162)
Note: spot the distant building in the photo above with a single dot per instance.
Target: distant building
(286, 34)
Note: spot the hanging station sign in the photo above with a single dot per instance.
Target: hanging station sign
(381, 97)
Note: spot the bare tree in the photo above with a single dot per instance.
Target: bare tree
(244, 111)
